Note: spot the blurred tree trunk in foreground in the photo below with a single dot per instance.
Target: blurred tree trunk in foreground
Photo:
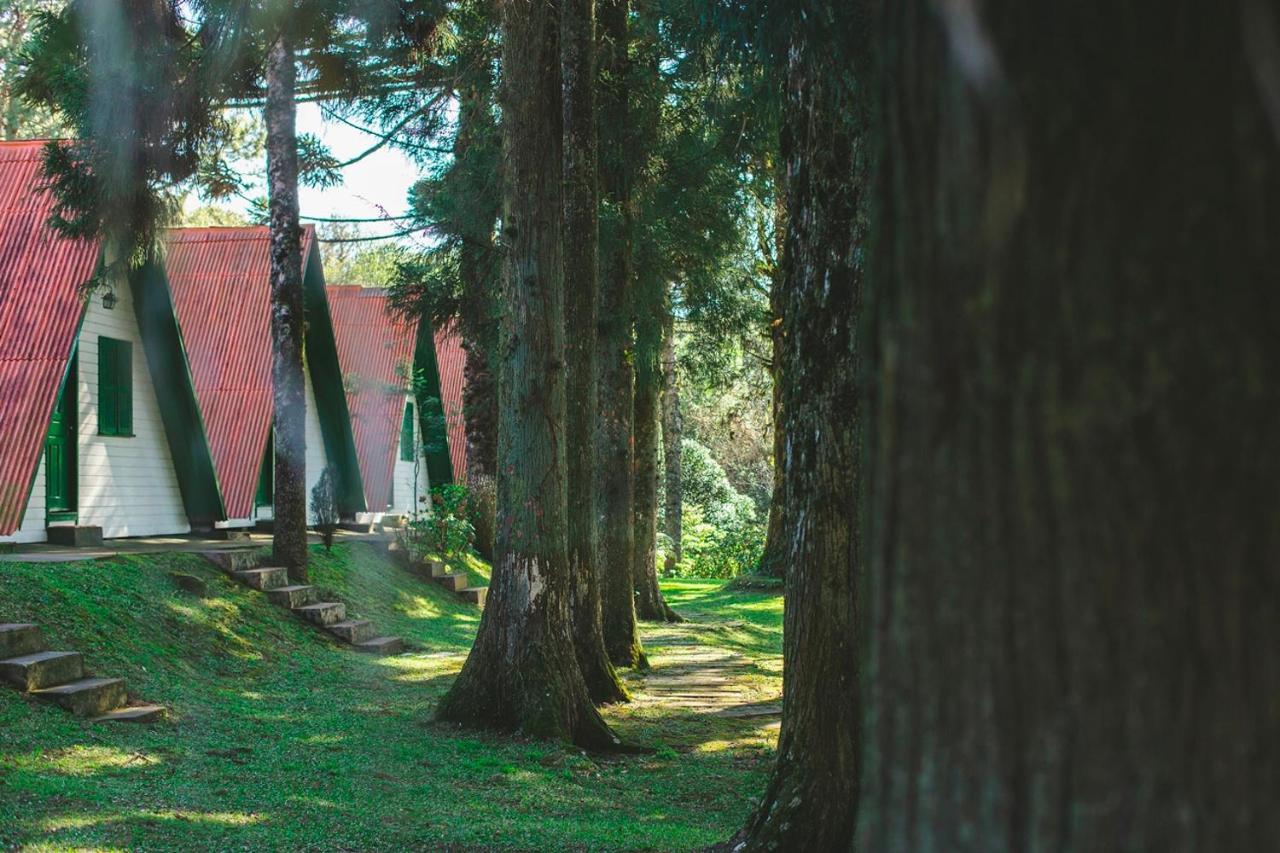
(1074, 524)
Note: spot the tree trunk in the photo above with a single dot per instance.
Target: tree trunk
(614, 451)
(650, 304)
(672, 433)
(650, 604)
(476, 323)
(1074, 557)
(581, 283)
(773, 561)
(522, 673)
(810, 800)
(289, 541)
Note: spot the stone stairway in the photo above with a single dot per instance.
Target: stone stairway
(436, 571)
(303, 600)
(61, 678)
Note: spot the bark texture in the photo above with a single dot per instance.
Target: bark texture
(522, 673)
(581, 282)
(810, 801)
(289, 541)
(615, 350)
(650, 604)
(1074, 558)
(672, 437)
(773, 561)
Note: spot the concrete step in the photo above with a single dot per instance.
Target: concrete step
(381, 646)
(475, 594)
(233, 560)
(453, 583)
(88, 697)
(133, 714)
(74, 535)
(354, 630)
(42, 669)
(20, 638)
(433, 568)
(293, 596)
(324, 613)
(265, 577)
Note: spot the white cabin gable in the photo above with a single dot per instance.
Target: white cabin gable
(127, 484)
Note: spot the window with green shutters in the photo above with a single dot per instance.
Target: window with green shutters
(115, 387)
(406, 434)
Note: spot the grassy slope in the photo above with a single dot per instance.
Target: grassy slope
(280, 739)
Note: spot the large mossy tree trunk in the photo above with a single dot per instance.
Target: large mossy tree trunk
(650, 604)
(615, 349)
(672, 439)
(522, 673)
(1074, 553)
(289, 541)
(581, 283)
(810, 801)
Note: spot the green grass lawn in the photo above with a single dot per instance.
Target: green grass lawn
(281, 739)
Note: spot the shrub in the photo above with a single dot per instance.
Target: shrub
(719, 550)
(482, 510)
(324, 506)
(445, 530)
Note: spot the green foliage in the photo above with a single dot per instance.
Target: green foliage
(446, 531)
(722, 550)
(324, 506)
(721, 533)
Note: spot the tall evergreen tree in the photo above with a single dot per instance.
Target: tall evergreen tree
(810, 800)
(581, 240)
(289, 492)
(614, 450)
(522, 673)
(1074, 566)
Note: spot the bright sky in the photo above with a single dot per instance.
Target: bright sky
(376, 186)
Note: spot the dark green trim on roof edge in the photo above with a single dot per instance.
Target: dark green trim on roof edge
(431, 420)
(176, 394)
(326, 383)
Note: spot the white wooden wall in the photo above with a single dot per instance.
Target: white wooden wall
(316, 458)
(128, 485)
(32, 527)
(403, 491)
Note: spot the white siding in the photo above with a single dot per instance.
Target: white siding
(402, 492)
(127, 484)
(316, 458)
(32, 528)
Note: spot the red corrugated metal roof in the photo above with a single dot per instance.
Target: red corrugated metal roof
(375, 354)
(221, 284)
(451, 359)
(40, 311)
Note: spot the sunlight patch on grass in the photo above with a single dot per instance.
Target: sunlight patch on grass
(63, 823)
(84, 760)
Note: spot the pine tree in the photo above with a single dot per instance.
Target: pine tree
(522, 673)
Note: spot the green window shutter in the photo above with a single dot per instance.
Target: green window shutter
(107, 393)
(406, 434)
(115, 387)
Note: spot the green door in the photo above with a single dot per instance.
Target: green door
(266, 476)
(60, 454)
